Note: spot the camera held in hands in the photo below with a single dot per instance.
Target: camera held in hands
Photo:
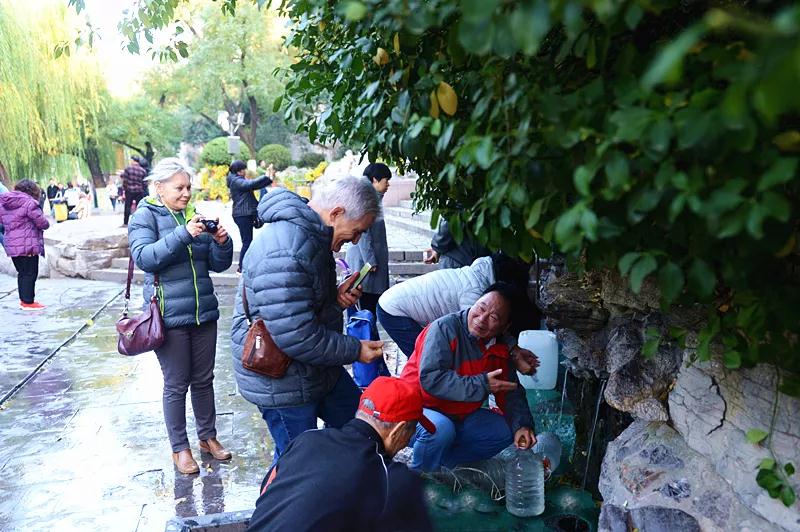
(211, 226)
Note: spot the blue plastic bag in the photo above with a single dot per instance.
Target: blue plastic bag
(361, 325)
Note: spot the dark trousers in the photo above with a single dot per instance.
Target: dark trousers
(113, 203)
(369, 302)
(245, 225)
(335, 409)
(402, 329)
(27, 272)
(187, 362)
(130, 197)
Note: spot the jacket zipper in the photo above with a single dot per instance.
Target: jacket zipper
(194, 274)
(196, 292)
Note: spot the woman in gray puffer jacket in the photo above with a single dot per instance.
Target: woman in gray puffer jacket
(169, 239)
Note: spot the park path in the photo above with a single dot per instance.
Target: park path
(83, 444)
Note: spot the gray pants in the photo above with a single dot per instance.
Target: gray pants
(187, 360)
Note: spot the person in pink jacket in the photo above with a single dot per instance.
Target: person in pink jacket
(24, 225)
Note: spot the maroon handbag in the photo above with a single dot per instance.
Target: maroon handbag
(143, 332)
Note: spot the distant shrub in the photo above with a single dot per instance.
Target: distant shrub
(279, 156)
(309, 160)
(215, 153)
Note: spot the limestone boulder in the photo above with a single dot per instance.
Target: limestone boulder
(713, 408)
(651, 480)
(7, 265)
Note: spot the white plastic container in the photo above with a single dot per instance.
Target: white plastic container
(544, 345)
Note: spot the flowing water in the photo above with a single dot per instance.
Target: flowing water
(591, 434)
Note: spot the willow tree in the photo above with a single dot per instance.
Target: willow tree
(49, 104)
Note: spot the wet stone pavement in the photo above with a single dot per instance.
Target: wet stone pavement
(83, 444)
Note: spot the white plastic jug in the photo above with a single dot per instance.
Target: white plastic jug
(544, 345)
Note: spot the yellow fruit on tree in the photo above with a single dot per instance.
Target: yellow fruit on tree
(448, 101)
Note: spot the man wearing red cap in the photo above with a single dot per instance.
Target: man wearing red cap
(458, 361)
(345, 479)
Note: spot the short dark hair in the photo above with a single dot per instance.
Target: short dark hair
(237, 166)
(28, 187)
(377, 171)
(511, 270)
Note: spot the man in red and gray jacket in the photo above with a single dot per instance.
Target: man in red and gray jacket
(458, 361)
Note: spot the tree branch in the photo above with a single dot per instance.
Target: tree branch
(131, 146)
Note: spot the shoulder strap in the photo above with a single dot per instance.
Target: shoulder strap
(245, 305)
(130, 279)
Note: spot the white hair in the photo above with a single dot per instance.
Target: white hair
(166, 168)
(355, 194)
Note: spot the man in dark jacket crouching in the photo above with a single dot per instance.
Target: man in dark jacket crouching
(345, 480)
(289, 278)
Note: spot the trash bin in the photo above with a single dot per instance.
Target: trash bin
(60, 210)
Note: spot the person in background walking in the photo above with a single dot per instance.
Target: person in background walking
(244, 203)
(372, 246)
(134, 186)
(24, 224)
(113, 192)
(169, 239)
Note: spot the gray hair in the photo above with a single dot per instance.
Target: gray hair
(166, 168)
(360, 414)
(355, 194)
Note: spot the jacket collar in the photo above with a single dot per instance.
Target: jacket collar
(365, 429)
(155, 201)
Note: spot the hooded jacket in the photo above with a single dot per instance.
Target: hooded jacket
(24, 224)
(290, 281)
(244, 201)
(435, 294)
(450, 366)
(160, 243)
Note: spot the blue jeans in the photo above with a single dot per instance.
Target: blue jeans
(401, 329)
(336, 409)
(479, 436)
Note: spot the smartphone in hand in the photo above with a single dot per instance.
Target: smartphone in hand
(362, 275)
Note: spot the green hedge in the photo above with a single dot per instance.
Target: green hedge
(216, 153)
(275, 154)
(309, 160)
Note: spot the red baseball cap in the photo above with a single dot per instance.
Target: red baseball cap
(395, 401)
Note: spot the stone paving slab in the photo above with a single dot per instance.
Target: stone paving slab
(83, 445)
(28, 337)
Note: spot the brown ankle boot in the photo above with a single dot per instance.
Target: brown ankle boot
(185, 463)
(215, 448)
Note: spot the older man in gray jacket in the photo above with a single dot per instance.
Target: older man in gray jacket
(289, 279)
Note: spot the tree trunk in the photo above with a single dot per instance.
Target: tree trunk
(92, 158)
(249, 133)
(149, 152)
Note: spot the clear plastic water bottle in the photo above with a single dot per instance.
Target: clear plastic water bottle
(548, 446)
(525, 484)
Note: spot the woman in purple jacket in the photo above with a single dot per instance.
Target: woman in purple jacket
(24, 237)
